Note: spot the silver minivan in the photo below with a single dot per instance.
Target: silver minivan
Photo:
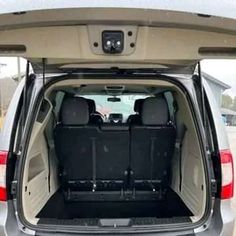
(114, 130)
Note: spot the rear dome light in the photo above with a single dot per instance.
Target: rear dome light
(3, 162)
(227, 172)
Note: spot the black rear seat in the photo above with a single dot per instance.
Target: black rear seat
(110, 161)
(92, 158)
(73, 141)
(152, 146)
(135, 119)
(113, 155)
(94, 116)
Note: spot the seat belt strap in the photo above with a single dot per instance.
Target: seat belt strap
(175, 106)
(54, 118)
(94, 163)
(49, 163)
(179, 145)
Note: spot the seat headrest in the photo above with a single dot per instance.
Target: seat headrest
(91, 106)
(138, 105)
(74, 111)
(155, 111)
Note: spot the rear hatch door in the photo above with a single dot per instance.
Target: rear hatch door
(171, 37)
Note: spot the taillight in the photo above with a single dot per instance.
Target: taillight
(227, 172)
(3, 165)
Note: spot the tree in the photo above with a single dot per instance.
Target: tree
(227, 101)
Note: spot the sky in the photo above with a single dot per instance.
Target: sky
(224, 70)
(10, 66)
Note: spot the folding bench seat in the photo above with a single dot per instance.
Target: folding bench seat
(92, 158)
(113, 156)
(152, 146)
(74, 142)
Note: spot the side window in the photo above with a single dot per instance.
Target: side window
(170, 101)
(58, 101)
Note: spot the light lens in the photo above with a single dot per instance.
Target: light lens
(3, 162)
(227, 171)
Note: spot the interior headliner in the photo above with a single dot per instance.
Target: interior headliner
(96, 85)
(116, 90)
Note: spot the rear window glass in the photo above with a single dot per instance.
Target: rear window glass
(124, 106)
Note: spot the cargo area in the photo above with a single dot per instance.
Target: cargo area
(113, 153)
(57, 208)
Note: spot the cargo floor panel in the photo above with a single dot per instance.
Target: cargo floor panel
(57, 208)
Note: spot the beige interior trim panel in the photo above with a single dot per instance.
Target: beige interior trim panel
(35, 188)
(128, 14)
(60, 44)
(193, 191)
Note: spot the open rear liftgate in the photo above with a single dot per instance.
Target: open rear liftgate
(142, 151)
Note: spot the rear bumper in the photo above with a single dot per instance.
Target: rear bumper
(228, 215)
(227, 230)
(222, 222)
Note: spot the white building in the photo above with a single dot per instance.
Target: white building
(217, 86)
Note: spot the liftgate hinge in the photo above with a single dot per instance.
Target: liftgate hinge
(13, 187)
(213, 180)
(213, 186)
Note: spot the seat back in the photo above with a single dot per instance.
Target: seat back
(108, 157)
(94, 117)
(152, 143)
(135, 119)
(73, 139)
(112, 152)
(91, 157)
